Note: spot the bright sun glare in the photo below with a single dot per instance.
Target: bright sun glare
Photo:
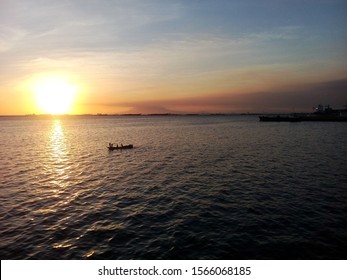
(54, 95)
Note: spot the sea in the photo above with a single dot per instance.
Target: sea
(211, 187)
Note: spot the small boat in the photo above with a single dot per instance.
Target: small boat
(121, 147)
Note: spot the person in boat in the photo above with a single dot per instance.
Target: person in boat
(110, 145)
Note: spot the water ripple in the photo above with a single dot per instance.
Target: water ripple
(192, 188)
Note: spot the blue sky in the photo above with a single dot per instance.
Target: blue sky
(177, 56)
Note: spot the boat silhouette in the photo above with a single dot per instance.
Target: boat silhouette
(121, 147)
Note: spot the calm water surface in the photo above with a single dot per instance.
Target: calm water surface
(193, 187)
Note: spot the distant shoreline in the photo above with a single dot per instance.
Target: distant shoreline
(133, 115)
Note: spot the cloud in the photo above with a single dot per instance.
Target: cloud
(186, 52)
(140, 41)
(299, 98)
(9, 36)
(86, 24)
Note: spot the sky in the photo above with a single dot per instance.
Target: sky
(175, 56)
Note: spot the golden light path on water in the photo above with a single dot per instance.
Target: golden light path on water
(60, 169)
(63, 170)
(58, 154)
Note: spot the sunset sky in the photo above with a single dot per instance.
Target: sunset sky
(132, 56)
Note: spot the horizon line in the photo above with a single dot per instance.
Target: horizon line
(150, 114)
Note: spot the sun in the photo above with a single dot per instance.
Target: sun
(54, 95)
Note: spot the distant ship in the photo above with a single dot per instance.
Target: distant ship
(326, 113)
(321, 113)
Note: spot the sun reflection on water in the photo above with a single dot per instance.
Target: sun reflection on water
(56, 171)
(57, 140)
(59, 154)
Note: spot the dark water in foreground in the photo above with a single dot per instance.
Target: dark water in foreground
(194, 187)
